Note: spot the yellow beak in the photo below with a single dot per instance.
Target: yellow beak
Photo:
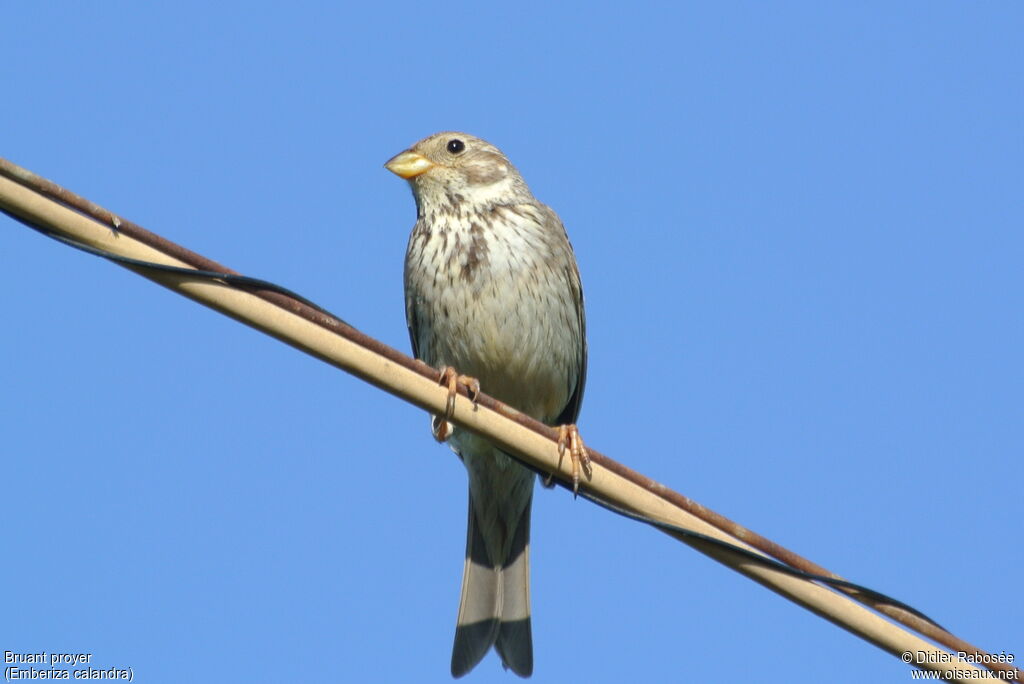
(409, 164)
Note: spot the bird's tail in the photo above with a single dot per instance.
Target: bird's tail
(495, 605)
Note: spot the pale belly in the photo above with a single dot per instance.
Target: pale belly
(519, 350)
(513, 326)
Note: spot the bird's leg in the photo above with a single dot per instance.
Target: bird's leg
(569, 440)
(450, 378)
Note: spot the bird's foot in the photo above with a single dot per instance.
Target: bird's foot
(450, 378)
(569, 440)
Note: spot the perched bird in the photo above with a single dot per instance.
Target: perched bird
(493, 298)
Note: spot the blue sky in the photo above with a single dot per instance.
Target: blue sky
(799, 229)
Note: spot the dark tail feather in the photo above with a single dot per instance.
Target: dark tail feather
(495, 605)
(515, 636)
(477, 625)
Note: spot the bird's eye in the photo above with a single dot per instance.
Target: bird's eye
(456, 146)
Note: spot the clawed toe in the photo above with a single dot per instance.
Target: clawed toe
(440, 426)
(569, 440)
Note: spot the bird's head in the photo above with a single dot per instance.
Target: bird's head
(449, 166)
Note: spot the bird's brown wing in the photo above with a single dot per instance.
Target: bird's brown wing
(413, 324)
(571, 411)
(572, 408)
